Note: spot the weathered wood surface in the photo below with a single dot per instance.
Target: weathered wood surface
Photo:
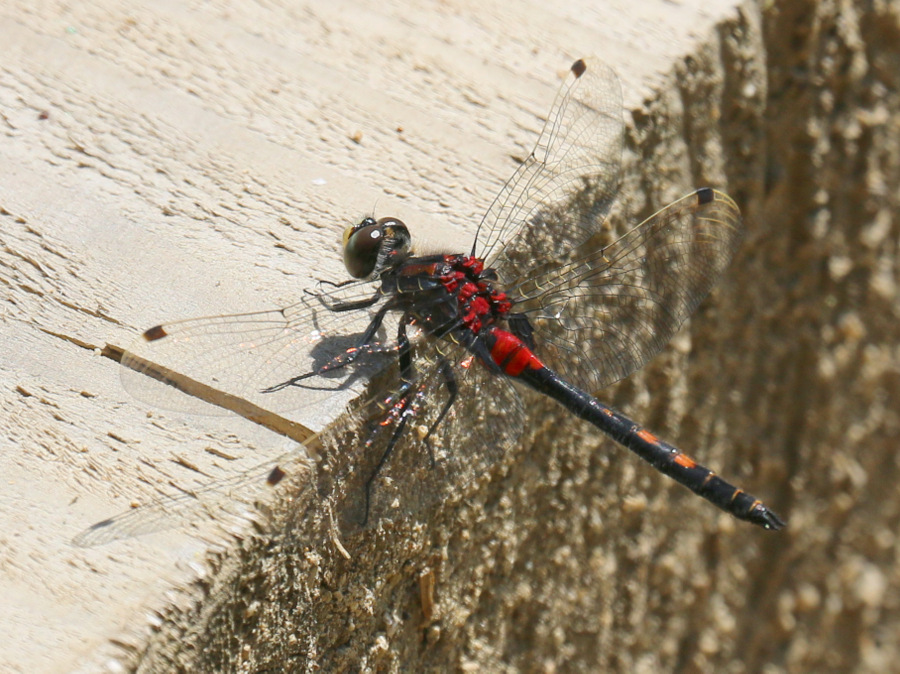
(178, 160)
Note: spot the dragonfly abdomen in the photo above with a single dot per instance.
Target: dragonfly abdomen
(664, 457)
(510, 353)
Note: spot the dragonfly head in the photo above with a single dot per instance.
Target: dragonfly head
(373, 246)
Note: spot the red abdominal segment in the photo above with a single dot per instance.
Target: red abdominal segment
(510, 354)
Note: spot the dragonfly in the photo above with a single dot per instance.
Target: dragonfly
(430, 353)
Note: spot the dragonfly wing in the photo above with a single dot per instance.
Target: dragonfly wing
(182, 365)
(608, 311)
(232, 501)
(560, 195)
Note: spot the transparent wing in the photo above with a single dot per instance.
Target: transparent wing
(178, 365)
(570, 178)
(361, 482)
(605, 313)
(231, 502)
(402, 446)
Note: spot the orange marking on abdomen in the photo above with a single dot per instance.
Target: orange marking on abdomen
(684, 460)
(647, 436)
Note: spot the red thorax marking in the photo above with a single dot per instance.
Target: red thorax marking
(478, 302)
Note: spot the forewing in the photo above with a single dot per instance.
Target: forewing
(181, 365)
(560, 195)
(604, 314)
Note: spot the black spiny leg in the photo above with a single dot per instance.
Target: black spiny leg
(400, 407)
(452, 389)
(347, 306)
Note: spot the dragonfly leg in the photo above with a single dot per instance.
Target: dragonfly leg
(333, 284)
(347, 306)
(452, 390)
(400, 407)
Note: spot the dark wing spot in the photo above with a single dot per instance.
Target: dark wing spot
(276, 476)
(704, 195)
(579, 67)
(154, 333)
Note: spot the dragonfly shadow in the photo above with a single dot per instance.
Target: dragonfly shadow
(339, 363)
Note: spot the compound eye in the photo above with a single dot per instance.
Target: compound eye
(362, 243)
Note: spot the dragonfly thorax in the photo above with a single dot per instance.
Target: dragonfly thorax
(479, 303)
(372, 246)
